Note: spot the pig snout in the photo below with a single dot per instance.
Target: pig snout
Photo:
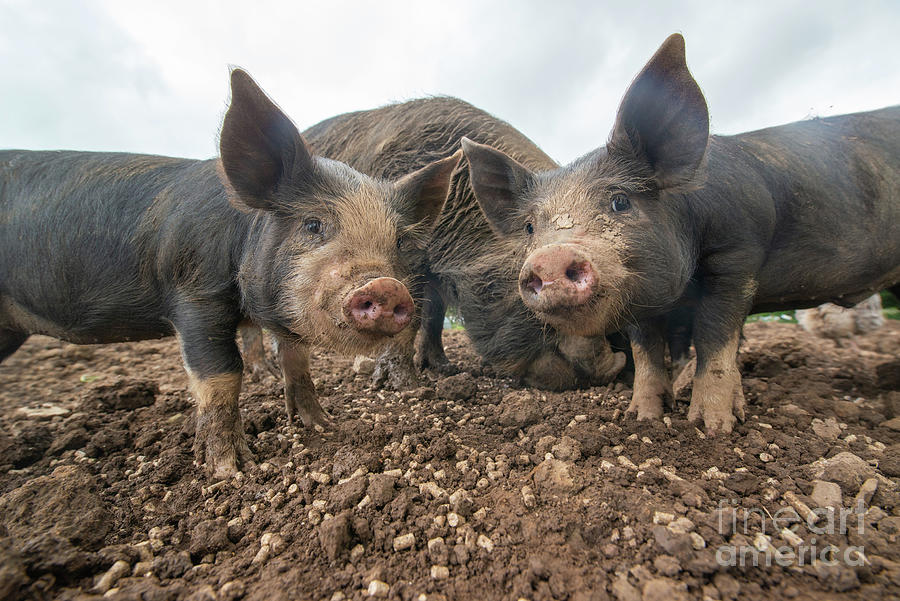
(555, 277)
(382, 306)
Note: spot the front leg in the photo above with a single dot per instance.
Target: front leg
(592, 356)
(430, 346)
(299, 390)
(717, 397)
(214, 368)
(652, 387)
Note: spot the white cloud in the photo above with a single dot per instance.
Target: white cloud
(152, 77)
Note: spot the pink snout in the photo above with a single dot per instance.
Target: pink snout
(382, 306)
(555, 277)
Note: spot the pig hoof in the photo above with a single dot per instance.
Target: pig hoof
(223, 458)
(646, 408)
(611, 368)
(313, 417)
(714, 419)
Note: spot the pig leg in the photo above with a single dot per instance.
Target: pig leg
(652, 386)
(299, 390)
(430, 347)
(717, 396)
(10, 340)
(593, 356)
(214, 368)
(253, 349)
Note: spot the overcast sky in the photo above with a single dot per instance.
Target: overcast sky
(153, 76)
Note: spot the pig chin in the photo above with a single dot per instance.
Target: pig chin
(594, 318)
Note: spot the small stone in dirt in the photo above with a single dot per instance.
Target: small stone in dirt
(438, 551)
(381, 489)
(43, 412)
(378, 588)
(334, 534)
(123, 394)
(404, 541)
(461, 502)
(118, 570)
(892, 424)
(440, 572)
(662, 517)
(727, 585)
(519, 409)
(845, 468)
(623, 591)
(528, 498)
(172, 565)
(485, 543)
(567, 449)
(233, 589)
(664, 589)
(826, 430)
(826, 494)
(364, 366)
(208, 536)
(204, 593)
(554, 476)
(674, 543)
(890, 461)
(457, 388)
(349, 493)
(667, 565)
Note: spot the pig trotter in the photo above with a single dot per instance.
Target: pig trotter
(219, 441)
(430, 355)
(299, 390)
(652, 387)
(718, 397)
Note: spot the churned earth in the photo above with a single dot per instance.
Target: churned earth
(470, 487)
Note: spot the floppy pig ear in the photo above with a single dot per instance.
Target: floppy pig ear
(498, 182)
(663, 118)
(261, 149)
(426, 190)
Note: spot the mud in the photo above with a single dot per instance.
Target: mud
(469, 487)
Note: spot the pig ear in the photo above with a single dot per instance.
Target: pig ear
(498, 182)
(425, 190)
(261, 149)
(663, 118)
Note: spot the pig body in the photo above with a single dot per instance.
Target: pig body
(468, 265)
(666, 223)
(104, 247)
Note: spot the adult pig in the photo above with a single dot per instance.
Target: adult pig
(100, 247)
(666, 219)
(467, 264)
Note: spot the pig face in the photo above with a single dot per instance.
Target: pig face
(330, 251)
(602, 239)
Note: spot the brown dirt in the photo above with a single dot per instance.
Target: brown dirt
(512, 493)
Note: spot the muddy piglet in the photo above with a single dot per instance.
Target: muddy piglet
(103, 247)
(667, 220)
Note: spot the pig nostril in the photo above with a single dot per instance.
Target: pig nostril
(535, 284)
(578, 273)
(366, 305)
(401, 311)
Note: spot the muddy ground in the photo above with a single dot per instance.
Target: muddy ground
(470, 487)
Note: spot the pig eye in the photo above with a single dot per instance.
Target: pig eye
(620, 203)
(313, 226)
(529, 229)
